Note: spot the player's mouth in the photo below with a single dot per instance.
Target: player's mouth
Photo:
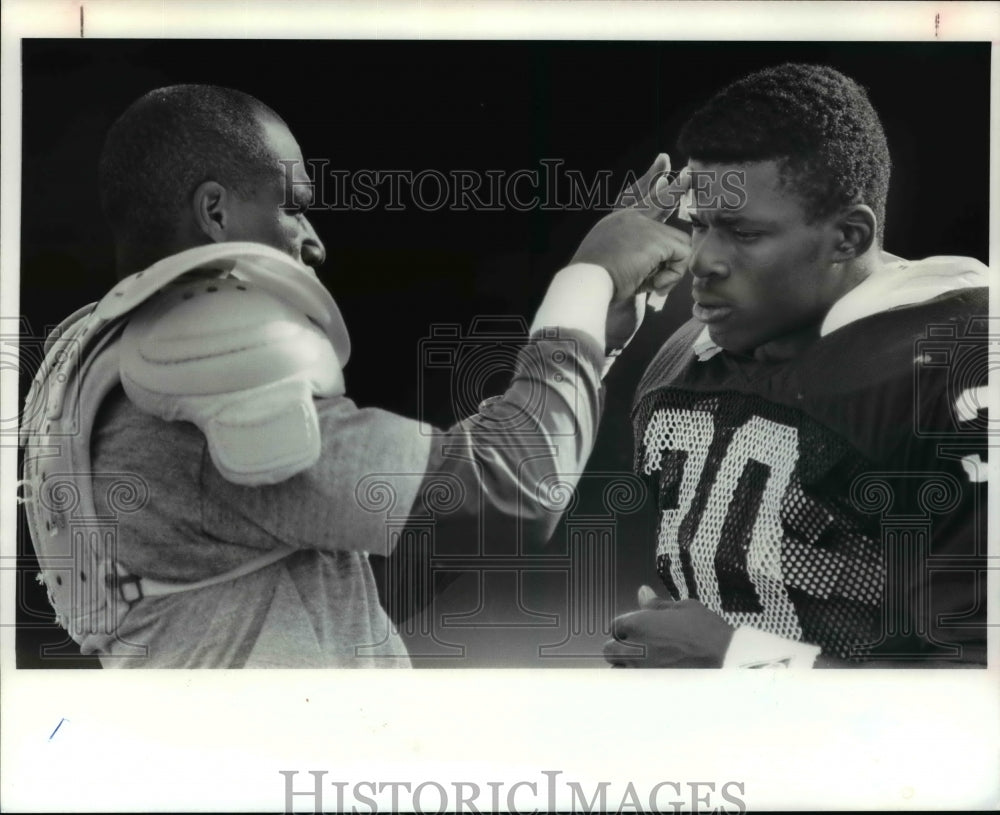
(707, 311)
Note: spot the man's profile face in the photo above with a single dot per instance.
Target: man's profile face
(761, 270)
(274, 214)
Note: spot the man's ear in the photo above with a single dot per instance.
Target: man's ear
(857, 227)
(210, 209)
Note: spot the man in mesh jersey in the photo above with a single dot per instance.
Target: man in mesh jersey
(815, 438)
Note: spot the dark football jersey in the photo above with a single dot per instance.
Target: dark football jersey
(838, 498)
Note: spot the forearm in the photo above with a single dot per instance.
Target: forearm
(578, 298)
(517, 458)
(498, 481)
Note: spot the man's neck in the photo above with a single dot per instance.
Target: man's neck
(135, 256)
(787, 346)
(790, 345)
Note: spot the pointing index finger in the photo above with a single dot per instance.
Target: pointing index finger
(637, 193)
(666, 196)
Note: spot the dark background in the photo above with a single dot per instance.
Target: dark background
(470, 106)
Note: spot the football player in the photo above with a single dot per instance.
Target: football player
(814, 436)
(200, 491)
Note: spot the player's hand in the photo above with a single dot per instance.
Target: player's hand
(639, 252)
(668, 634)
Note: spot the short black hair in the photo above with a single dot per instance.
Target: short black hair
(171, 140)
(817, 123)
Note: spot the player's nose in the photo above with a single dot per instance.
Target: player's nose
(708, 258)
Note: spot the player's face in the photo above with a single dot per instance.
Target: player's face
(762, 272)
(274, 213)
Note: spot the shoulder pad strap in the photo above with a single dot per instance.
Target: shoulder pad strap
(75, 546)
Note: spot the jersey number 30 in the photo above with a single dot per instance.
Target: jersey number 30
(722, 534)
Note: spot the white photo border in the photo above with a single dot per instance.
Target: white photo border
(217, 740)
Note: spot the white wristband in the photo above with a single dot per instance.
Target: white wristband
(753, 648)
(577, 297)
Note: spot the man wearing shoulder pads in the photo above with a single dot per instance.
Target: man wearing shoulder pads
(244, 487)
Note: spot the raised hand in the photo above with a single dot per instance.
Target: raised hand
(640, 253)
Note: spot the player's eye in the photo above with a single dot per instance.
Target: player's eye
(746, 236)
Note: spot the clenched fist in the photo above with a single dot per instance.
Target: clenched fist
(668, 634)
(639, 253)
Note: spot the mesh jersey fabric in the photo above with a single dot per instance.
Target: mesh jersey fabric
(828, 498)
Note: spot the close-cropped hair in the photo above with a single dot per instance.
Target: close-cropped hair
(170, 141)
(818, 124)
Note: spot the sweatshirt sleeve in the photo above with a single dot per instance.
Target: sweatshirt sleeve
(501, 478)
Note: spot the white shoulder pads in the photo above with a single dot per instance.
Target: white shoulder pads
(241, 363)
(244, 366)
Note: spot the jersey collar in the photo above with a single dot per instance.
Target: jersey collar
(898, 283)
